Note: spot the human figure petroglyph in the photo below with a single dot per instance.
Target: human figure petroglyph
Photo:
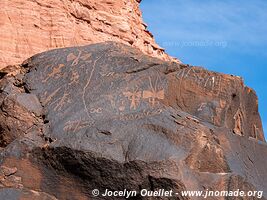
(74, 78)
(134, 97)
(122, 106)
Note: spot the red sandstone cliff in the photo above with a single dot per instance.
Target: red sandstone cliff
(106, 116)
(32, 26)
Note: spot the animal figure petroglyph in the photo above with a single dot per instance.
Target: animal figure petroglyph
(63, 100)
(141, 115)
(75, 125)
(154, 94)
(55, 71)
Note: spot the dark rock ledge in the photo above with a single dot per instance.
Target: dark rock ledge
(106, 116)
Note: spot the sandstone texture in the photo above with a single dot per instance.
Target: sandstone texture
(107, 116)
(28, 27)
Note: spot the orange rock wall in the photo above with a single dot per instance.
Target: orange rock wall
(28, 27)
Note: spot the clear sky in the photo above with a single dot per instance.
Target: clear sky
(224, 36)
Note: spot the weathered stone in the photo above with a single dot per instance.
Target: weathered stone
(32, 26)
(114, 118)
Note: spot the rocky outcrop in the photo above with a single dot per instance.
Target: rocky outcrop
(33, 26)
(107, 116)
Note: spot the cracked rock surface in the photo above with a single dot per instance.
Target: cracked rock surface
(107, 116)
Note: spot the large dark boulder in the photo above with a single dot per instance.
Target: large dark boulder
(106, 116)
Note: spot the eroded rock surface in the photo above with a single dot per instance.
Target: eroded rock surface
(32, 26)
(107, 116)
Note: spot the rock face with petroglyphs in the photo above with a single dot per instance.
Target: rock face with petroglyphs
(107, 116)
(32, 26)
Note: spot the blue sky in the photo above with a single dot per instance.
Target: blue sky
(225, 36)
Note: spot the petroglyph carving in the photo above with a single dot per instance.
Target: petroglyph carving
(238, 117)
(87, 85)
(86, 56)
(122, 106)
(202, 105)
(55, 72)
(184, 73)
(96, 110)
(135, 116)
(154, 94)
(202, 78)
(108, 74)
(50, 97)
(71, 57)
(61, 103)
(134, 97)
(74, 77)
(75, 125)
(75, 59)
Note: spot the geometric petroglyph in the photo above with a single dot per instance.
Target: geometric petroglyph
(96, 110)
